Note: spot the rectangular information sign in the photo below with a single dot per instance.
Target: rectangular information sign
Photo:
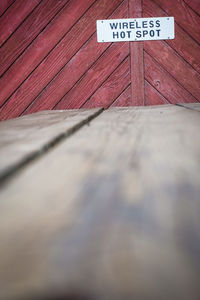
(140, 29)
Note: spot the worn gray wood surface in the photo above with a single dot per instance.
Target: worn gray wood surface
(194, 106)
(24, 136)
(110, 213)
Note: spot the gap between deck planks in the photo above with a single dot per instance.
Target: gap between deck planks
(24, 139)
(112, 213)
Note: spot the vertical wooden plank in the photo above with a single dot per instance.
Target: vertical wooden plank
(137, 62)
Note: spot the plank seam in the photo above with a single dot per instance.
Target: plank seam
(104, 81)
(179, 55)
(13, 170)
(35, 99)
(7, 9)
(129, 85)
(182, 57)
(158, 92)
(46, 86)
(1, 106)
(18, 27)
(187, 107)
(178, 24)
(191, 8)
(171, 75)
(106, 107)
(34, 37)
(175, 37)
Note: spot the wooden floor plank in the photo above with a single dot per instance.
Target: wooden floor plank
(183, 44)
(46, 40)
(111, 88)
(95, 76)
(22, 138)
(175, 65)
(194, 106)
(165, 83)
(14, 17)
(183, 15)
(112, 213)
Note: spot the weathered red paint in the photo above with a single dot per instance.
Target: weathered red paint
(95, 76)
(14, 17)
(112, 88)
(4, 5)
(50, 58)
(137, 60)
(76, 59)
(163, 82)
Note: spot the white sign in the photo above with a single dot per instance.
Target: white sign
(140, 29)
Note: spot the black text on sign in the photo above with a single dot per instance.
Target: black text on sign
(140, 29)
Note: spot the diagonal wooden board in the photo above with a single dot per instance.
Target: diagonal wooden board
(110, 213)
(24, 138)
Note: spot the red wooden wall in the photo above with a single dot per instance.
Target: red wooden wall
(50, 58)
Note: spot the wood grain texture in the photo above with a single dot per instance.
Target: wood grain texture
(137, 60)
(95, 76)
(111, 88)
(25, 34)
(183, 15)
(152, 96)
(192, 106)
(23, 137)
(194, 4)
(14, 17)
(112, 213)
(183, 44)
(175, 65)
(4, 4)
(165, 83)
(40, 47)
(73, 64)
(124, 99)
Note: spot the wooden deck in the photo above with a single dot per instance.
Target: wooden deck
(101, 204)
